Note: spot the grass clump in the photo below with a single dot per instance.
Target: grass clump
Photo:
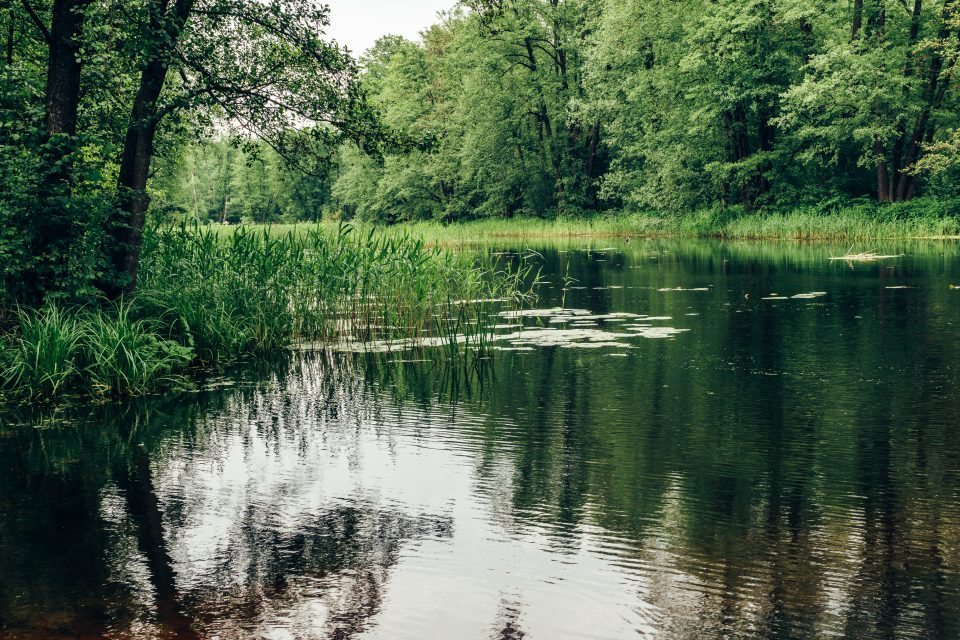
(55, 350)
(124, 356)
(41, 356)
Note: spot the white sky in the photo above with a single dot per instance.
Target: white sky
(358, 23)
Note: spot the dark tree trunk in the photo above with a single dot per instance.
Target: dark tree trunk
(766, 135)
(126, 226)
(594, 145)
(11, 34)
(544, 126)
(54, 230)
(740, 145)
(923, 128)
(857, 22)
(883, 178)
(63, 67)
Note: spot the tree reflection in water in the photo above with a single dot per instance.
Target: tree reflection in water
(778, 472)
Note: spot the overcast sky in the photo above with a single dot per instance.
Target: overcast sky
(358, 23)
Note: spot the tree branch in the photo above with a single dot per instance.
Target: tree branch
(37, 21)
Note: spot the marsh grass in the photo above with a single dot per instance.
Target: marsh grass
(124, 356)
(207, 298)
(838, 219)
(256, 289)
(57, 349)
(40, 358)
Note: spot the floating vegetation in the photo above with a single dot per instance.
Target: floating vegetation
(865, 257)
(812, 295)
(582, 331)
(649, 331)
(543, 313)
(683, 289)
(899, 286)
(549, 337)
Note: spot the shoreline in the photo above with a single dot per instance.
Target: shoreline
(917, 221)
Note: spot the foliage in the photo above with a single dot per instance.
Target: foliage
(560, 107)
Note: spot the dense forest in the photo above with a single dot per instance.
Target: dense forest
(238, 110)
(546, 107)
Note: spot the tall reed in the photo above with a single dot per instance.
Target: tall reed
(206, 297)
(251, 290)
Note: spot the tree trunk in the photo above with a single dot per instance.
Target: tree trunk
(53, 230)
(594, 145)
(857, 22)
(883, 178)
(11, 34)
(126, 226)
(63, 67)
(923, 128)
(766, 135)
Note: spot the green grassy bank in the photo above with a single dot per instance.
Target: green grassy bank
(854, 222)
(832, 221)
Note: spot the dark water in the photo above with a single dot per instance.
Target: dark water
(781, 469)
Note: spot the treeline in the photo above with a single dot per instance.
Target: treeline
(221, 181)
(563, 106)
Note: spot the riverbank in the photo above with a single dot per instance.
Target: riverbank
(864, 221)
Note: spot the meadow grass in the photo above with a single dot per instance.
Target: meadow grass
(856, 220)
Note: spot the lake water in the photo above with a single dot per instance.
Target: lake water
(711, 441)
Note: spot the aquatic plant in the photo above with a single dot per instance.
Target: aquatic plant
(124, 356)
(40, 357)
(206, 298)
(227, 294)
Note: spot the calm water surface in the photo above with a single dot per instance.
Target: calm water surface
(702, 463)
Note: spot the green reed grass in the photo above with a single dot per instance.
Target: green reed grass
(206, 297)
(228, 294)
(40, 358)
(835, 219)
(124, 356)
(103, 351)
